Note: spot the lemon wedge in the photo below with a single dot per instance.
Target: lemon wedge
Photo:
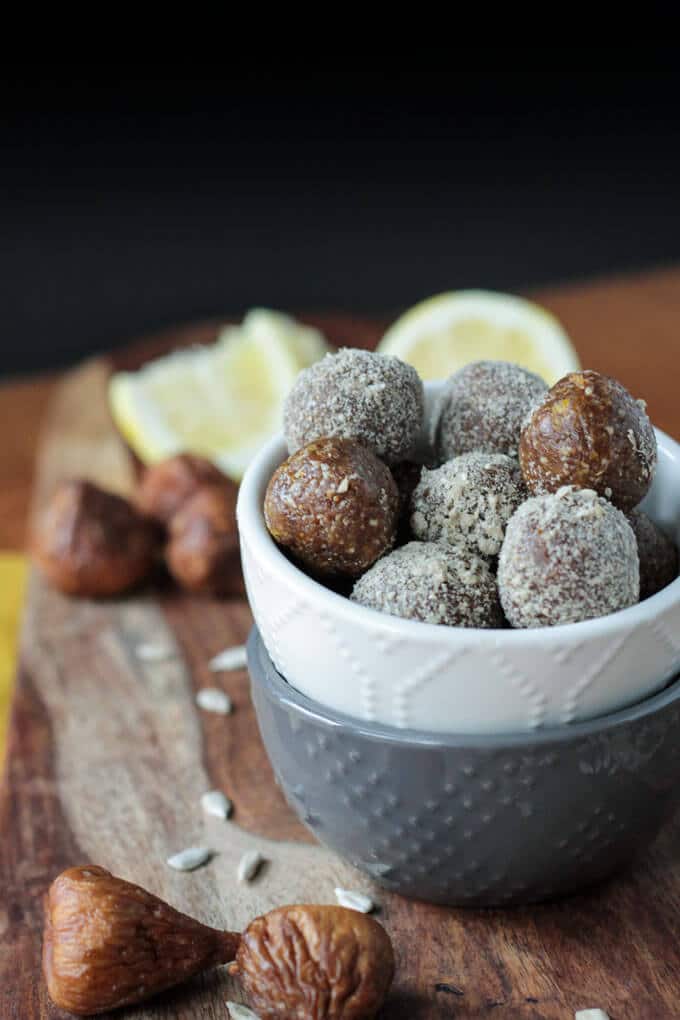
(222, 401)
(305, 343)
(445, 332)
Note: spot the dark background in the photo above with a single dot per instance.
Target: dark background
(132, 201)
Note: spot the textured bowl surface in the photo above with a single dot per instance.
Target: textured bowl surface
(452, 679)
(473, 820)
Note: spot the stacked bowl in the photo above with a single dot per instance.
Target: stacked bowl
(461, 765)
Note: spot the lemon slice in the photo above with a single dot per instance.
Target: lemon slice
(440, 335)
(305, 343)
(222, 401)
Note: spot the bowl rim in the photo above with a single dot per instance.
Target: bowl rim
(253, 532)
(263, 672)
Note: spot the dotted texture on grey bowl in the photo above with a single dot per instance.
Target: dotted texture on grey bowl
(478, 821)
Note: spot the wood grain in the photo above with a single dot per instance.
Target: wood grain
(108, 757)
(22, 405)
(125, 746)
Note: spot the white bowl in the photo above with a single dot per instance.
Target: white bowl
(404, 673)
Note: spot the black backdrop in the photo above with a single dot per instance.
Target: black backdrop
(131, 201)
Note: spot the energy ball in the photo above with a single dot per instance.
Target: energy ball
(166, 486)
(468, 501)
(334, 505)
(434, 583)
(93, 543)
(373, 398)
(482, 407)
(567, 556)
(588, 431)
(658, 554)
(407, 475)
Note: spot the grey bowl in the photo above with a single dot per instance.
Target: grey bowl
(477, 821)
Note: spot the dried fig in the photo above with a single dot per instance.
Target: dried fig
(166, 486)
(315, 963)
(94, 543)
(108, 943)
(202, 550)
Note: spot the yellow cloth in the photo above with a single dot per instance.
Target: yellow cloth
(12, 584)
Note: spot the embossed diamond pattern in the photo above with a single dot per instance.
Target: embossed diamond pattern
(368, 670)
(474, 825)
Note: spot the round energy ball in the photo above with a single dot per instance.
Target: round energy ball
(434, 583)
(334, 505)
(468, 501)
(657, 552)
(373, 398)
(482, 407)
(407, 475)
(588, 431)
(567, 556)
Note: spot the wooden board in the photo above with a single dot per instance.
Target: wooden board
(108, 757)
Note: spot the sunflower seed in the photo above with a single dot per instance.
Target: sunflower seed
(237, 1011)
(591, 1014)
(211, 699)
(189, 859)
(230, 658)
(149, 652)
(354, 900)
(216, 804)
(249, 865)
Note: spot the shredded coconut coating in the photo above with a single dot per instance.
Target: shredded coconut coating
(434, 583)
(334, 505)
(468, 501)
(373, 398)
(588, 431)
(658, 554)
(482, 407)
(566, 557)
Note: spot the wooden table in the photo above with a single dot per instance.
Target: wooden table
(108, 755)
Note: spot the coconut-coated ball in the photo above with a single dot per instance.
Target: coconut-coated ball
(433, 583)
(468, 501)
(481, 408)
(567, 556)
(375, 399)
